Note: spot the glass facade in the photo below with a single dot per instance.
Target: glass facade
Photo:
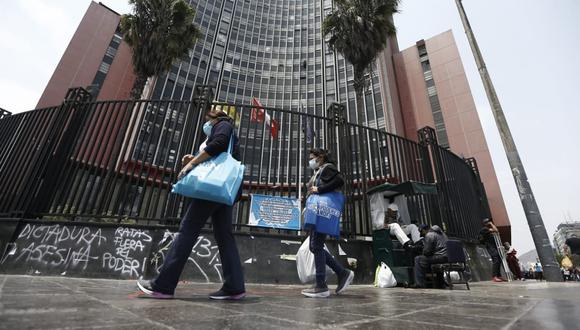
(272, 50)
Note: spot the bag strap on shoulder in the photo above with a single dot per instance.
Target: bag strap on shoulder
(231, 145)
(319, 174)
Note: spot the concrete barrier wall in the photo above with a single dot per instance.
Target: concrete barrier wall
(131, 252)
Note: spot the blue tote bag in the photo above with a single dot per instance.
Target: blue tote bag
(322, 213)
(217, 179)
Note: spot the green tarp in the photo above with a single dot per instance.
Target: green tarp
(407, 188)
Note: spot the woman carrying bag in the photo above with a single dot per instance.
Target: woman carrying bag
(221, 138)
(321, 216)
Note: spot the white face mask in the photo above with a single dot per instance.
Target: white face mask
(313, 164)
(207, 127)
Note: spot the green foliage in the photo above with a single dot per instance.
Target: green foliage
(159, 32)
(359, 30)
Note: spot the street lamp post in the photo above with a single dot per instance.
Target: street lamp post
(535, 222)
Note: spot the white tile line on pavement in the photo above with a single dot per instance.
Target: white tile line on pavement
(524, 312)
(434, 324)
(352, 323)
(397, 318)
(102, 326)
(238, 314)
(113, 306)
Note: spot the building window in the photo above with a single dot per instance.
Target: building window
(440, 129)
(104, 67)
(111, 52)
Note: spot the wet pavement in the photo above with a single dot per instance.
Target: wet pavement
(32, 302)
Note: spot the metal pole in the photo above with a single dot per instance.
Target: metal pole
(300, 158)
(535, 222)
(303, 66)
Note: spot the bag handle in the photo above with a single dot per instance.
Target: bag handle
(230, 146)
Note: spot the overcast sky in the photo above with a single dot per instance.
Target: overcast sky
(530, 46)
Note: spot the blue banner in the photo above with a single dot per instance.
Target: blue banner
(274, 212)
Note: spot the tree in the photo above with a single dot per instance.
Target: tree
(359, 30)
(159, 32)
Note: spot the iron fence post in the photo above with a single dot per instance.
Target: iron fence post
(340, 147)
(56, 151)
(4, 113)
(486, 212)
(201, 102)
(428, 138)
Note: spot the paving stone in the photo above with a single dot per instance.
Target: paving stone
(38, 302)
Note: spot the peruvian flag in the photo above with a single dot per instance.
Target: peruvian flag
(258, 114)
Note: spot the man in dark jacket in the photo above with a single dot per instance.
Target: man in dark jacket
(434, 252)
(486, 238)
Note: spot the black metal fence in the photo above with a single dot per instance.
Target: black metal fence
(116, 161)
(4, 113)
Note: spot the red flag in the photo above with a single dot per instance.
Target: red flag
(258, 114)
(274, 127)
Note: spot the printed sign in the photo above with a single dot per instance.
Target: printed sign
(274, 212)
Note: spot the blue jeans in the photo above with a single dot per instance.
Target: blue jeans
(322, 258)
(423, 265)
(191, 224)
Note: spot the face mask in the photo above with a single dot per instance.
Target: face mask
(207, 127)
(313, 164)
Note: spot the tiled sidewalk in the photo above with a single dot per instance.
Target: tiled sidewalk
(71, 303)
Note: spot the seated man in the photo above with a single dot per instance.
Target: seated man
(418, 246)
(392, 219)
(434, 252)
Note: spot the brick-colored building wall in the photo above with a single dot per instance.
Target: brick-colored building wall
(83, 56)
(389, 89)
(119, 81)
(463, 127)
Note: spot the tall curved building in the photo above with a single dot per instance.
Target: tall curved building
(274, 50)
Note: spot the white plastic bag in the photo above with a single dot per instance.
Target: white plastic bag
(378, 210)
(384, 277)
(455, 277)
(305, 262)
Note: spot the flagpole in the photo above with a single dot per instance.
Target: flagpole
(300, 157)
(300, 109)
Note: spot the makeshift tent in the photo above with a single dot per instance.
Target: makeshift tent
(380, 197)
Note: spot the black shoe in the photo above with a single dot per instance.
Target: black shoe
(146, 288)
(223, 295)
(408, 246)
(316, 292)
(344, 281)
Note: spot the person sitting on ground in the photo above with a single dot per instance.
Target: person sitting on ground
(512, 260)
(392, 221)
(486, 237)
(434, 252)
